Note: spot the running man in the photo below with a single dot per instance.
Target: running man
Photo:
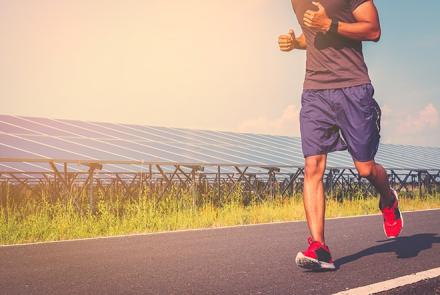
(338, 111)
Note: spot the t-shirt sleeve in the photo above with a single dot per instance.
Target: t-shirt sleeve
(355, 3)
(293, 5)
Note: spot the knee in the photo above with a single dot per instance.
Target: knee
(366, 171)
(314, 168)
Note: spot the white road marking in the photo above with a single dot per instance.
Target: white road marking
(199, 229)
(394, 283)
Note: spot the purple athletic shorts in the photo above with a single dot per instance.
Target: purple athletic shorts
(339, 119)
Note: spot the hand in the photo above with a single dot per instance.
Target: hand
(287, 42)
(317, 20)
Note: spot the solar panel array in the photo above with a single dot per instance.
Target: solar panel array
(27, 143)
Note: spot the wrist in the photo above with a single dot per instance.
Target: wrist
(295, 44)
(327, 24)
(334, 26)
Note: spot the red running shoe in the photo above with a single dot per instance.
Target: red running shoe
(392, 218)
(316, 257)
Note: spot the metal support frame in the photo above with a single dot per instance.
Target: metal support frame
(216, 180)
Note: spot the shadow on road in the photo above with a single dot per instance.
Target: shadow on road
(404, 247)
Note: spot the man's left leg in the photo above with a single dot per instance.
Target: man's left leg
(359, 119)
(389, 203)
(378, 177)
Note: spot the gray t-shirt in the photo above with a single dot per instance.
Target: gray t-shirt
(333, 61)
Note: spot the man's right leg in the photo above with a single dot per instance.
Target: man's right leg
(317, 256)
(319, 136)
(314, 198)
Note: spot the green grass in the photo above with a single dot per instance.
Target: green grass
(37, 219)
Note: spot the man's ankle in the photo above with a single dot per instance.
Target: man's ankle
(319, 239)
(388, 202)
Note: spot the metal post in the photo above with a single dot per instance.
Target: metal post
(90, 192)
(7, 200)
(89, 183)
(272, 184)
(193, 176)
(218, 183)
(150, 174)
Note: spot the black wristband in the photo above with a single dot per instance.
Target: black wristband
(334, 26)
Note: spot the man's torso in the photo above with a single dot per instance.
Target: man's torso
(333, 61)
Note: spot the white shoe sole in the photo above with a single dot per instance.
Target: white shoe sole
(312, 264)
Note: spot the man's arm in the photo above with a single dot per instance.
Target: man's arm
(366, 27)
(289, 42)
(301, 42)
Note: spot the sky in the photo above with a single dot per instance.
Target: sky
(203, 64)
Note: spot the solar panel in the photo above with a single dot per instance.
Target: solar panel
(27, 143)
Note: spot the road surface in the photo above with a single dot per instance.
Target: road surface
(240, 260)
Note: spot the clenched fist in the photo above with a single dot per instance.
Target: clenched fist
(287, 42)
(317, 20)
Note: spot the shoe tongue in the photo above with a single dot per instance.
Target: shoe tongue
(389, 205)
(314, 243)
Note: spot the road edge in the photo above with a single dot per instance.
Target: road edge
(197, 230)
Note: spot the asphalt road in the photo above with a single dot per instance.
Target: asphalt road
(242, 260)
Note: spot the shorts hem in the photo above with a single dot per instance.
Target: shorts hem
(359, 160)
(324, 152)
